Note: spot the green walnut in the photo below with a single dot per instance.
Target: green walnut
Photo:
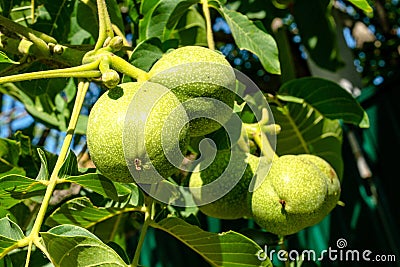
(293, 196)
(196, 74)
(332, 182)
(234, 204)
(114, 116)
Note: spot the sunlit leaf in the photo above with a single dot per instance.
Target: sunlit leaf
(81, 212)
(249, 37)
(305, 130)
(331, 100)
(362, 4)
(149, 51)
(9, 156)
(191, 29)
(43, 174)
(161, 17)
(5, 59)
(224, 249)
(70, 245)
(16, 188)
(70, 166)
(96, 182)
(10, 233)
(10, 229)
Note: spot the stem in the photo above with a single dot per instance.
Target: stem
(31, 35)
(125, 67)
(32, 11)
(70, 56)
(206, 11)
(147, 220)
(80, 97)
(42, 248)
(83, 71)
(24, 31)
(28, 255)
(262, 142)
(105, 26)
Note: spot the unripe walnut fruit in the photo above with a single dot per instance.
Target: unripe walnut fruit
(111, 116)
(195, 73)
(295, 194)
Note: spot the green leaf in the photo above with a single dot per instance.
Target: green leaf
(191, 29)
(5, 59)
(70, 245)
(24, 142)
(16, 188)
(10, 229)
(161, 17)
(43, 174)
(318, 32)
(78, 35)
(129, 195)
(96, 182)
(69, 167)
(149, 51)
(81, 212)
(81, 125)
(35, 108)
(54, 19)
(86, 16)
(10, 233)
(9, 156)
(305, 131)
(331, 100)
(224, 249)
(6, 262)
(362, 4)
(248, 36)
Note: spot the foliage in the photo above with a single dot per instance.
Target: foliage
(51, 50)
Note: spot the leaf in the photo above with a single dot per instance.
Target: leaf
(5, 59)
(24, 142)
(9, 156)
(70, 245)
(81, 212)
(191, 29)
(96, 182)
(248, 36)
(69, 167)
(362, 4)
(81, 125)
(305, 130)
(331, 100)
(10, 233)
(10, 229)
(87, 16)
(149, 51)
(224, 249)
(6, 262)
(78, 35)
(43, 174)
(35, 108)
(161, 18)
(15, 188)
(318, 32)
(52, 17)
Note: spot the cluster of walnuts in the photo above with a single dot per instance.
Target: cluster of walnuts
(136, 128)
